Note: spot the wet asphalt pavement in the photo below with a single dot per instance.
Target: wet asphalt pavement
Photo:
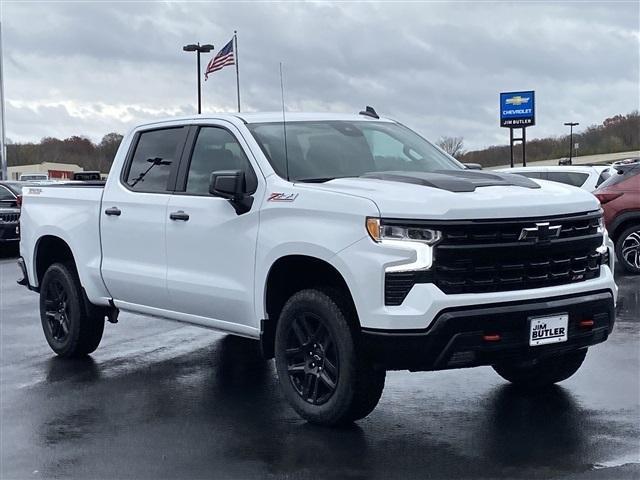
(162, 400)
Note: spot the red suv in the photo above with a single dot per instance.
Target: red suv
(620, 199)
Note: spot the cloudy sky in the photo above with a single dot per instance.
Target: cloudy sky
(89, 68)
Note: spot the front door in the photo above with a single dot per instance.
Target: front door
(210, 248)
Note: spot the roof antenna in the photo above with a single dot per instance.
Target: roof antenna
(370, 112)
(284, 127)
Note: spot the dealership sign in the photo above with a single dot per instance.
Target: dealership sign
(517, 109)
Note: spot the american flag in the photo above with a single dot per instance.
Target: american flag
(222, 59)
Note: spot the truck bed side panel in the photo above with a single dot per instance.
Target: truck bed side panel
(71, 214)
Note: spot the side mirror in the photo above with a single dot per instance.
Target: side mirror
(227, 184)
(231, 184)
(472, 166)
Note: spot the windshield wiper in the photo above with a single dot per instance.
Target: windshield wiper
(153, 161)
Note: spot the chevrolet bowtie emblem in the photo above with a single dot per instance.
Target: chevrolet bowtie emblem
(542, 232)
(517, 100)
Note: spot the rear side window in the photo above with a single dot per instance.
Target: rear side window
(576, 179)
(217, 149)
(156, 153)
(530, 174)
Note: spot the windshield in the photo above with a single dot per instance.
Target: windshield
(320, 151)
(620, 174)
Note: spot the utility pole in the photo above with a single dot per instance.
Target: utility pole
(3, 140)
(571, 125)
(196, 47)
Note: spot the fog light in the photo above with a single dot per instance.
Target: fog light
(586, 324)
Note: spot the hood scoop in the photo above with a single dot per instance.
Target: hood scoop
(455, 180)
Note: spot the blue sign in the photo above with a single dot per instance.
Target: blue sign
(517, 109)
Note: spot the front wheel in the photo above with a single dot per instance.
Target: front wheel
(320, 370)
(542, 373)
(71, 326)
(628, 249)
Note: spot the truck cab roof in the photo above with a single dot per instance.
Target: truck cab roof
(269, 117)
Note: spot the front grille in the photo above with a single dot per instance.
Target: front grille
(9, 217)
(487, 256)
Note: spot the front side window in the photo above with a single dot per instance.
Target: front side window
(217, 149)
(156, 153)
(324, 150)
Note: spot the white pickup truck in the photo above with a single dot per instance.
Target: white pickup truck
(348, 245)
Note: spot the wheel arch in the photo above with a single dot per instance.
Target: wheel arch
(51, 249)
(290, 274)
(622, 222)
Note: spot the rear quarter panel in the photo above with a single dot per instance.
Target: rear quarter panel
(71, 214)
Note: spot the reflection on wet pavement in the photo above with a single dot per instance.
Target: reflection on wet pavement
(161, 401)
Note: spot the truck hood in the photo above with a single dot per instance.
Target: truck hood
(396, 198)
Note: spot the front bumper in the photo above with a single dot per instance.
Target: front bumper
(455, 339)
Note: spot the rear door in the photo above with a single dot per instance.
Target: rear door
(133, 219)
(211, 248)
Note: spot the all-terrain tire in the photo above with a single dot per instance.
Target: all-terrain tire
(72, 326)
(544, 372)
(310, 317)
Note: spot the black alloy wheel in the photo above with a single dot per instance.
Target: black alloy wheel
(313, 363)
(57, 310)
(72, 326)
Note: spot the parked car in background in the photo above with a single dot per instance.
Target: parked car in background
(87, 176)
(620, 200)
(587, 177)
(31, 177)
(10, 198)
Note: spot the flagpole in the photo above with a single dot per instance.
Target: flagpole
(235, 40)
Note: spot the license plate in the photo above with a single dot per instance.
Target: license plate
(551, 329)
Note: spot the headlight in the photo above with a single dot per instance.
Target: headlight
(419, 240)
(380, 232)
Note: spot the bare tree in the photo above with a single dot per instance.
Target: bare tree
(452, 145)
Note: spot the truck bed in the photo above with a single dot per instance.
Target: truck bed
(70, 211)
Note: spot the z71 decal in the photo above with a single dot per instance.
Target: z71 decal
(282, 197)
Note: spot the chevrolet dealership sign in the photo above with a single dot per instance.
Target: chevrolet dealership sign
(517, 109)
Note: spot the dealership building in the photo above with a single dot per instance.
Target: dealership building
(56, 171)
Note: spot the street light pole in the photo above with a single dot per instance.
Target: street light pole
(196, 47)
(3, 140)
(571, 125)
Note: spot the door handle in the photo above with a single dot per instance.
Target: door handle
(179, 215)
(113, 211)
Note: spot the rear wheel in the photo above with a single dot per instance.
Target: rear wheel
(71, 325)
(320, 370)
(628, 249)
(543, 372)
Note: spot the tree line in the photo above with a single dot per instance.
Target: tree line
(620, 133)
(616, 134)
(76, 150)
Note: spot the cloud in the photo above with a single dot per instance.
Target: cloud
(90, 68)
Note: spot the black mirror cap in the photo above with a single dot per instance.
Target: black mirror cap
(472, 166)
(229, 184)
